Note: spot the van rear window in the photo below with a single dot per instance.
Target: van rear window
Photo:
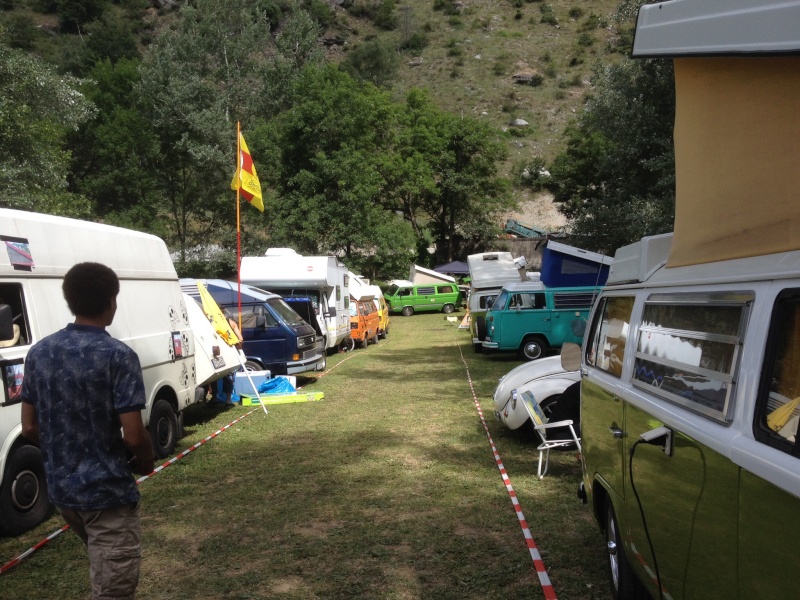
(688, 348)
(573, 300)
(778, 410)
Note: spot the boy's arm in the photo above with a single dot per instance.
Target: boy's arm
(137, 440)
(30, 425)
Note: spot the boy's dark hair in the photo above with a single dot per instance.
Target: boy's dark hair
(89, 288)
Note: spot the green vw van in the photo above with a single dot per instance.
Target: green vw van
(407, 298)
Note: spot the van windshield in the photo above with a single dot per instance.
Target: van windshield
(285, 312)
(501, 301)
(313, 295)
(392, 291)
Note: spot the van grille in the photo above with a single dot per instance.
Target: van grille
(575, 300)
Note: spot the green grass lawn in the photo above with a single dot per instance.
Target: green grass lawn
(387, 488)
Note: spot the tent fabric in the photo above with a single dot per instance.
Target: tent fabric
(737, 139)
(459, 267)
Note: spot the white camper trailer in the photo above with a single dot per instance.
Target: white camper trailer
(322, 278)
(152, 319)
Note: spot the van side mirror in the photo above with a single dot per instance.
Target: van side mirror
(489, 302)
(261, 322)
(331, 311)
(570, 357)
(6, 322)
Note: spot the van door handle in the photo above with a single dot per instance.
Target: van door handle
(545, 318)
(617, 432)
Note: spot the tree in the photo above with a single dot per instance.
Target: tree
(447, 180)
(323, 158)
(37, 107)
(114, 155)
(616, 177)
(196, 82)
(376, 61)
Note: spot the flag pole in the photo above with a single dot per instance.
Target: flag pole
(238, 222)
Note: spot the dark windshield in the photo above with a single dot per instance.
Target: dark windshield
(285, 311)
(392, 291)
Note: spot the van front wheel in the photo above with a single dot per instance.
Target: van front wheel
(532, 348)
(163, 428)
(23, 495)
(448, 308)
(624, 585)
(407, 311)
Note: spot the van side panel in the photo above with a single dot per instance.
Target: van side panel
(689, 503)
(768, 532)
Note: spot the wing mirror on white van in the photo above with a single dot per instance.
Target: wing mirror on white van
(570, 357)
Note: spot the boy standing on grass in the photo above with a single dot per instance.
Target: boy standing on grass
(80, 387)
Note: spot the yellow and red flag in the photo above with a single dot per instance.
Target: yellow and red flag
(245, 179)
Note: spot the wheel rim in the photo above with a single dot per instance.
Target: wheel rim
(532, 350)
(163, 432)
(613, 560)
(25, 490)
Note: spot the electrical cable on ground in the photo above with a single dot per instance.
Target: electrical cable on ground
(544, 579)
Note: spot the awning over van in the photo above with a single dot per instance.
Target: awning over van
(737, 140)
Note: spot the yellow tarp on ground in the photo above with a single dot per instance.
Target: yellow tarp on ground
(737, 142)
(283, 398)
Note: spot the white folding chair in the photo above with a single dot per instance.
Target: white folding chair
(541, 425)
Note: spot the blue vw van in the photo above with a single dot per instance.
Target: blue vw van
(275, 336)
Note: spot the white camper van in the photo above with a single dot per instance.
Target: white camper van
(152, 319)
(322, 278)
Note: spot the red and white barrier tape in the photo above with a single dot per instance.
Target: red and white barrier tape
(538, 563)
(14, 562)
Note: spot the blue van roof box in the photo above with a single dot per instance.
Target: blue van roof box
(568, 266)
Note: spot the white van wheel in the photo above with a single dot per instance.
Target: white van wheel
(348, 345)
(532, 348)
(624, 585)
(23, 495)
(163, 428)
(448, 308)
(407, 311)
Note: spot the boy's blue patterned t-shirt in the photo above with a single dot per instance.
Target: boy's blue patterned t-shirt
(79, 380)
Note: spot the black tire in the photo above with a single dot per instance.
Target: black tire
(251, 365)
(624, 584)
(365, 342)
(480, 328)
(348, 345)
(163, 428)
(23, 495)
(448, 308)
(407, 311)
(547, 405)
(532, 347)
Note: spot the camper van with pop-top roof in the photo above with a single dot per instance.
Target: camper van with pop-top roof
(690, 367)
